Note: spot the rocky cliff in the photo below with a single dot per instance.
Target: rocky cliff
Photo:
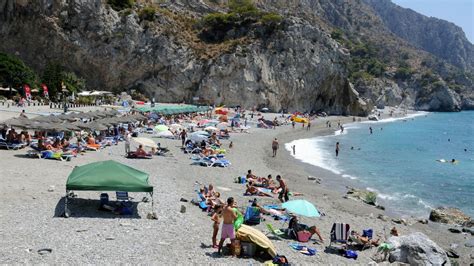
(439, 37)
(298, 65)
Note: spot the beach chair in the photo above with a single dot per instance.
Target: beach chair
(365, 233)
(122, 196)
(252, 216)
(276, 232)
(339, 233)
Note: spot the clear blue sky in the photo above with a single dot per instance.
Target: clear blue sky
(460, 12)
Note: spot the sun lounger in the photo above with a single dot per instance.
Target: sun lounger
(339, 233)
(10, 146)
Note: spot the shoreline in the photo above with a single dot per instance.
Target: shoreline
(341, 181)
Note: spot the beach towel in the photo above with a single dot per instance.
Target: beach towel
(252, 216)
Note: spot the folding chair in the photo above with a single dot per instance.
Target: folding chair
(122, 196)
(339, 233)
(275, 232)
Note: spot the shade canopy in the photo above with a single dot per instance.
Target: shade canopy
(301, 207)
(108, 176)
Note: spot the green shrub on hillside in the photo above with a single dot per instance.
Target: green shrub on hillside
(120, 4)
(271, 18)
(147, 13)
(403, 73)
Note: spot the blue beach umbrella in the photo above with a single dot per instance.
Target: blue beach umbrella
(301, 207)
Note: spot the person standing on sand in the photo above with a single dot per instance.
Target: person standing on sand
(183, 136)
(216, 218)
(309, 125)
(337, 149)
(283, 196)
(294, 149)
(293, 123)
(227, 231)
(275, 146)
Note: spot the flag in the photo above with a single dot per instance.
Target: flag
(27, 90)
(45, 90)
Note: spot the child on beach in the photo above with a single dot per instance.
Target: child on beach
(216, 218)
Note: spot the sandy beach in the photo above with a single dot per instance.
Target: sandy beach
(32, 193)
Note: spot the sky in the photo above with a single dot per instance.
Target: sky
(460, 12)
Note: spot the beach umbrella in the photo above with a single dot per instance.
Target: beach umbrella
(211, 129)
(145, 142)
(191, 125)
(201, 132)
(222, 125)
(165, 134)
(204, 121)
(161, 128)
(92, 126)
(301, 207)
(176, 126)
(21, 122)
(197, 137)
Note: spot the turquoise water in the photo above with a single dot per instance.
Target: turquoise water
(399, 160)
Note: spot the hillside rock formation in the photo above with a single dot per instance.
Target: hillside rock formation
(299, 66)
(439, 37)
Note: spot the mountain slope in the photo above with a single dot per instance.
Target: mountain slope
(439, 37)
(306, 61)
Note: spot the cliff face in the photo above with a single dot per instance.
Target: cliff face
(298, 66)
(439, 37)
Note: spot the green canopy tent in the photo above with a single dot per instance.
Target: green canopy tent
(107, 176)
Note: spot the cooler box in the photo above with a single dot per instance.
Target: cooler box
(248, 249)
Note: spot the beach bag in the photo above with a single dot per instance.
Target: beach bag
(350, 254)
(303, 236)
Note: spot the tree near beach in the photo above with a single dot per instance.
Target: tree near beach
(15, 73)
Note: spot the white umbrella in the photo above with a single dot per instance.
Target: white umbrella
(222, 125)
(197, 137)
(165, 134)
(176, 126)
(145, 142)
(211, 129)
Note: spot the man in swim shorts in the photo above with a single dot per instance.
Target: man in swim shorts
(227, 231)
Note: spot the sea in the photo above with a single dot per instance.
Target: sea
(406, 160)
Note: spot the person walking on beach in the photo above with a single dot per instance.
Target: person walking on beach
(275, 146)
(183, 136)
(294, 149)
(227, 231)
(309, 125)
(283, 195)
(337, 149)
(127, 143)
(293, 123)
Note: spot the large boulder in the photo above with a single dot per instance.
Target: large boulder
(417, 249)
(449, 216)
(366, 196)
